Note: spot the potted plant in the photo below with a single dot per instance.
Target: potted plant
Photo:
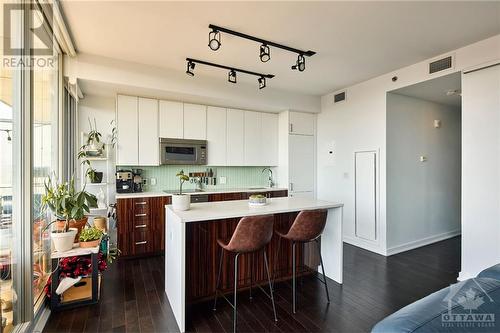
(95, 176)
(90, 237)
(69, 206)
(181, 201)
(94, 146)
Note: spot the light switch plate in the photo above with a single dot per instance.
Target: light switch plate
(153, 181)
(222, 180)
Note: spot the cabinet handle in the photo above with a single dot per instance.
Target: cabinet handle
(141, 243)
(142, 214)
(291, 128)
(291, 186)
(141, 226)
(141, 203)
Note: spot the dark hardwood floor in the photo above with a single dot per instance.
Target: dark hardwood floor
(133, 300)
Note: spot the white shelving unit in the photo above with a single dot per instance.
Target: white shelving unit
(104, 164)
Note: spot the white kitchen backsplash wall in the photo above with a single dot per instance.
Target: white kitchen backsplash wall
(236, 177)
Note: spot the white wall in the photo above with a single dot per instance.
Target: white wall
(423, 198)
(98, 107)
(358, 123)
(480, 170)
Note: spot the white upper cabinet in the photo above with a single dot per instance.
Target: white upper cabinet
(235, 137)
(301, 163)
(148, 132)
(253, 138)
(269, 136)
(195, 121)
(171, 122)
(301, 123)
(127, 143)
(216, 135)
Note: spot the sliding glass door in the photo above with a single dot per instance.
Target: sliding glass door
(29, 154)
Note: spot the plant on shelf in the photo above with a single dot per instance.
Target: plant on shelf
(69, 206)
(90, 237)
(94, 145)
(181, 201)
(114, 133)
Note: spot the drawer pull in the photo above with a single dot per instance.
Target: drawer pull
(141, 226)
(141, 243)
(141, 203)
(142, 214)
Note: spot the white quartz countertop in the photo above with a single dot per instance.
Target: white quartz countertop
(209, 191)
(229, 209)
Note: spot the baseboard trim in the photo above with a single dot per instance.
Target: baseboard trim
(364, 245)
(422, 242)
(462, 276)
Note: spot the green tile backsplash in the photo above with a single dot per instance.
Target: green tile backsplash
(236, 177)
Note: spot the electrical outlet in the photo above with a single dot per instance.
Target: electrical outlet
(222, 180)
(145, 181)
(153, 181)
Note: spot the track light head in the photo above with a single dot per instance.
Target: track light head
(231, 77)
(265, 53)
(214, 40)
(190, 68)
(301, 63)
(262, 82)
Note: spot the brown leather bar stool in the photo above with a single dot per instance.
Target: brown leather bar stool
(252, 234)
(307, 227)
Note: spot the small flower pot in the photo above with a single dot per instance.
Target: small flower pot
(93, 243)
(97, 177)
(181, 201)
(63, 241)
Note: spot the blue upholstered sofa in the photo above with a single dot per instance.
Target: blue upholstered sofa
(468, 306)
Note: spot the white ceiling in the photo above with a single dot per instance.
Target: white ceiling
(354, 41)
(435, 90)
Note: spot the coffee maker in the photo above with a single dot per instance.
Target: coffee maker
(124, 181)
(137, 180)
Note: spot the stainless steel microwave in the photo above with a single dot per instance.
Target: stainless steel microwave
(183, 151)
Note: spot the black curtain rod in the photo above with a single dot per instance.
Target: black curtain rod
(269, 76)
(260, 40)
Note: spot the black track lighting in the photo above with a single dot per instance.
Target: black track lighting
(214, 40)
(9, 138)
(231, 77)
(265, 53)
(190, 68)
(262, 82)
(301, 63)
(232, 71)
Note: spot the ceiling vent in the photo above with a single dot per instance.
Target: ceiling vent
(339, 97)
(440, 65)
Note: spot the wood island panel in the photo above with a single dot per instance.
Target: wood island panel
(202, 255)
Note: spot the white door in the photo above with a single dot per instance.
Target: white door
(253, 138)
(216, 135)
(365, 195)
(269, 135)
(127, 146)
(480, 169)
(148, 132)
(235, 137)
(195, 121)
(302, 123)
(301, 159)
(171, 120)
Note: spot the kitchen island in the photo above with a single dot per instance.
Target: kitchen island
(192, 250)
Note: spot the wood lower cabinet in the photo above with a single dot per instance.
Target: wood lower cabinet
(141, 225)
(245, 195)
(141, 221)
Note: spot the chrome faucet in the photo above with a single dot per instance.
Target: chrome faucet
(270, 179)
